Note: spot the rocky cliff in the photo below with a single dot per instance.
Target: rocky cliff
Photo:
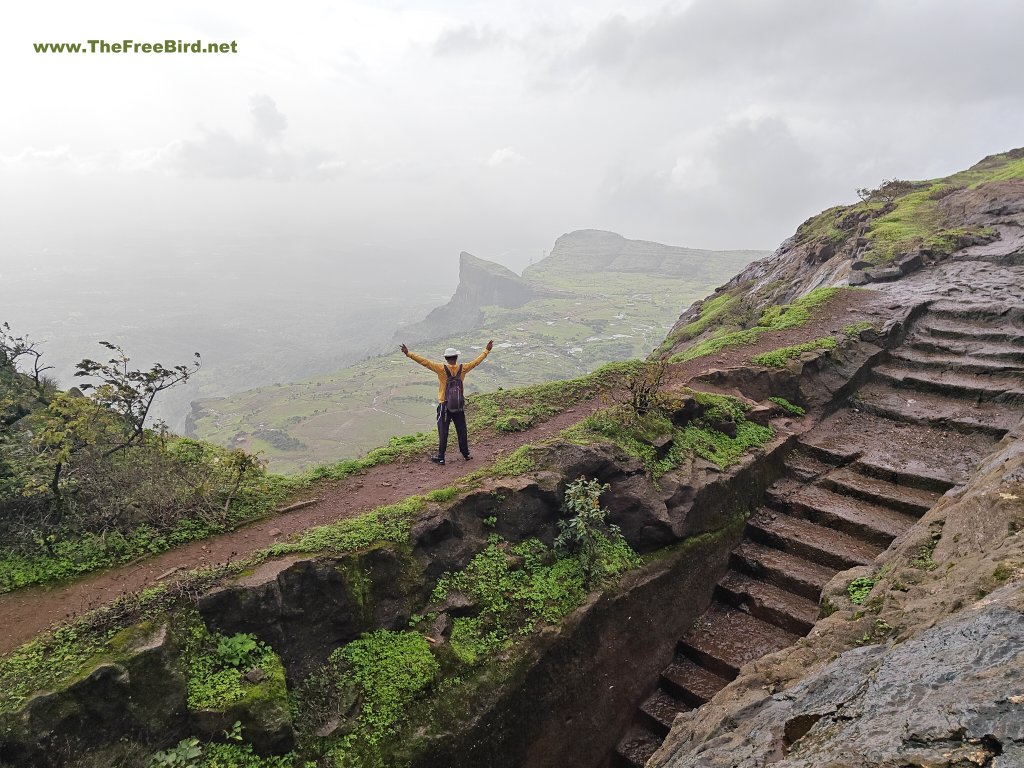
(481, 284)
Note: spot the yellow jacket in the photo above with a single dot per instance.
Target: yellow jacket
(438, 368)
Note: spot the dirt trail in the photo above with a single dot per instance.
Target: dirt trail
(27, 612)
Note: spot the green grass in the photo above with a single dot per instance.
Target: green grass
(778, 358)
(916, 219)
(635, 435)
(47, 661)
(720, 449)
(855, 329)
(775, 318)
(713, 311)
(787, 406)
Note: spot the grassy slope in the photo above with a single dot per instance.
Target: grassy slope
(915, 219)
(602, 317)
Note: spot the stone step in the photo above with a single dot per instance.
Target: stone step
(910, 500)
(723, 639)
(943, 328)
(768, 602)
(791, 572)
(909, 475)
(957, 309)
(965, 386)
(817, 543)
(856, 517)
(804, 466)
(1012, 354)
(690, 682)
(636, 747)
(917, 455)
(934, 409)
(965, 364)
(827, 452)
(659, 710)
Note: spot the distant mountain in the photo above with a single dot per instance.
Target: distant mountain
(590, 250)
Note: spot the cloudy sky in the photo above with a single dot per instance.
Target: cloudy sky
(490, 126)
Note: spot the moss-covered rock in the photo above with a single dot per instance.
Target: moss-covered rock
(134, 690)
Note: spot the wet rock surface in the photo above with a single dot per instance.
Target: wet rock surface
(945, 698)
(909, 430)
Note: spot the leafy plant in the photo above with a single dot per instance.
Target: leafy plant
(186, 754)
(131, 392)
(588, 535)
(859, 589)
(237, 650)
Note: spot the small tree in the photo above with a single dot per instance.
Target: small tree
(131, 392)
(587, 534)
(887, 191)
(240, 464)
(13, 348)
(71, 425)
(645, 385)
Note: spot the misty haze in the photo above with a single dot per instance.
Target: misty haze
(512, 384)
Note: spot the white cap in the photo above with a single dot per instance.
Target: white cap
(451, 352)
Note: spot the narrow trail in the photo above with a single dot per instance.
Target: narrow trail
(27, 612)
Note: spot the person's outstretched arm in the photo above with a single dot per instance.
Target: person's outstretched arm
(435, 367)
(479, 358)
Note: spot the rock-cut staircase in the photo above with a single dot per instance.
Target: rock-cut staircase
(854, 483)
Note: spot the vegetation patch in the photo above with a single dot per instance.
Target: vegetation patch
(855, 329)
(389, 670)
(778, 358)
(859, 589)
(388, 523)
(924, 559)
(47, 661)
(215, 666)
(714, 311)
(775, 318)
(787, 406)
(192, 753)
(703, 436)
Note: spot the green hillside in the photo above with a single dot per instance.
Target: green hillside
(596, 308)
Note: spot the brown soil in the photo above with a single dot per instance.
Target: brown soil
(27, 612)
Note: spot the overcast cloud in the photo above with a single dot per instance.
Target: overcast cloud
(493, 127)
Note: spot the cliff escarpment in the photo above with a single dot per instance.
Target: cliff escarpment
(481, 284)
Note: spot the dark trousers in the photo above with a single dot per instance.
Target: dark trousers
(444, 418)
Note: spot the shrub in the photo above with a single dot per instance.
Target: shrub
(595, 543)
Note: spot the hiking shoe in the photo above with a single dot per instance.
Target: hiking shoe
(467, 456)
(437, 459)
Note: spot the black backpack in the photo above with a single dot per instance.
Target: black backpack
(454, 400)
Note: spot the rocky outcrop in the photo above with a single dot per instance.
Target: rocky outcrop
(137, 695)
(938, 679)
(977, 218)
(938, 683)
(481, 284)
